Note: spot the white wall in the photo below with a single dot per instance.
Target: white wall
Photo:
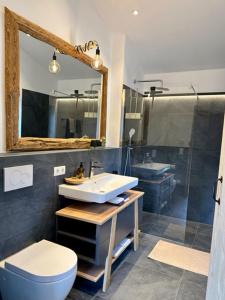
(53, 15)
(132, 69)
(89, 26)
(34, 77)
(204, 81)
(116, 78)
(68, 86)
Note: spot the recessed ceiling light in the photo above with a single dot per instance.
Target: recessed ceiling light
(135, 12)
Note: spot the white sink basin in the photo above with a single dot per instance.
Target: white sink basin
(153, 168)
(100, 188)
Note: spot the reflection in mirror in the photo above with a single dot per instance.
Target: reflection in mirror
(64, 104)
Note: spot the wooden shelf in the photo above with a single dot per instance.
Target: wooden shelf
(96, 213)
(85, 258)
(92, 272)
(78, 237)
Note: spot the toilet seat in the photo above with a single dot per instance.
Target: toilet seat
(43, 262)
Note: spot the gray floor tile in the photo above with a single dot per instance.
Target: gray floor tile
(142, 283)
(169, 228)
(150, 217)
(173, 220)
(205, 229)
(192, 287)
(202, 242)
(180, 233)
(155, 228)
(191, 291)
(194, 277)
(117, 279)
(140, 258)
(191, 226)
(76, 294)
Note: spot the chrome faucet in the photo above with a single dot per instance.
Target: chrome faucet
(94, 165)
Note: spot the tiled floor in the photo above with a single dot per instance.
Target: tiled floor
(140, 278)
(192, 234)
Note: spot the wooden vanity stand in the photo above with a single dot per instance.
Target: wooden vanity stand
(93, 230)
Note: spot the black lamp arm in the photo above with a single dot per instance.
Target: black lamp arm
(86, 47)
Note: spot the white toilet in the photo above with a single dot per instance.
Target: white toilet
(42, 271)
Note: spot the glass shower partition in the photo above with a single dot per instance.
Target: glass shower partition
(164, 155)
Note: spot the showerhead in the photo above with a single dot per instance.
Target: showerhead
(158, 89)
(162, 89)
(91, 92)
(131, 133)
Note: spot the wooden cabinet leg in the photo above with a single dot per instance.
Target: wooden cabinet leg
(136, 225)
(108, 262)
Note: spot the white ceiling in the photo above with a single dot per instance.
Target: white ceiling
(169, 35)
(42, 53)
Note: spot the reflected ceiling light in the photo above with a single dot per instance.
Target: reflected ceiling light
(54, 66)
(96, 62)
(135, 12)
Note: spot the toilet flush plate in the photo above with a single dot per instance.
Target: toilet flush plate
(18, 177)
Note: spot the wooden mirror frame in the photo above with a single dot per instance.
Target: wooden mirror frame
(13, 24)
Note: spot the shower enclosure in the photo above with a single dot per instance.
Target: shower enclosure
(175, 154)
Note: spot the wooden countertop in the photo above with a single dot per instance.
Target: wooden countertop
(96, 213)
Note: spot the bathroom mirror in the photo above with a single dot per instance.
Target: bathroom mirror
(54, 98)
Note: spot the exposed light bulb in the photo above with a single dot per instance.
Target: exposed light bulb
(54, 66)
(97, 61)
(135, 12)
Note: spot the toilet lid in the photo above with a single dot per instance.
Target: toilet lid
(43, 262)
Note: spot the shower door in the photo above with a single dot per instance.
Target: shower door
(175, 155)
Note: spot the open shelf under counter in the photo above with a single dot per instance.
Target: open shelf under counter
(93, 231)
(92, 272)
(75, 236)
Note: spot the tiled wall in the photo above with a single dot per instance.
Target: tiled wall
(27, 215)
(170, 121)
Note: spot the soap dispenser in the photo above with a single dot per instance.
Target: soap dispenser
(79, 173)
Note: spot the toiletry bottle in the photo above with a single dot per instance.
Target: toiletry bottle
(79, 173)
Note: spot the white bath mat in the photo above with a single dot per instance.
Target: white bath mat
(181, 257)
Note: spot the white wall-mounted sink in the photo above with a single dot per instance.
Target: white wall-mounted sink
(100, 188)
(153, 168)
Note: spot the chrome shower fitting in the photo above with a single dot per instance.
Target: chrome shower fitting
(153, 90)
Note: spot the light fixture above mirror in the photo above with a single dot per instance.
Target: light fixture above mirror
(54, 66)
(96, 61)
